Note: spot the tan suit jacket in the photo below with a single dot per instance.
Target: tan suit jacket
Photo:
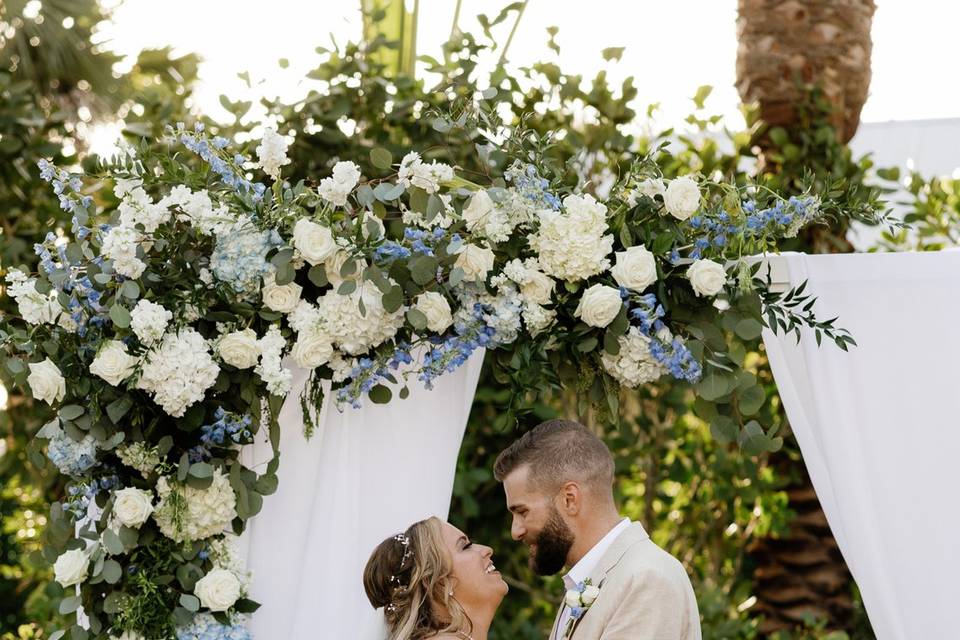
(645, 594)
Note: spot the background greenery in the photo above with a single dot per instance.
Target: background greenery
(703, 499)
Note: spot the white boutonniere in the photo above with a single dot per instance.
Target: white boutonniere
(579, 599)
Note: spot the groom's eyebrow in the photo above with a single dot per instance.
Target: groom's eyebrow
(514, 507)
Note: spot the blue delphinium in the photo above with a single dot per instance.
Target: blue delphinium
(209, 152)
(81, 494)
(227, 429)
(205, 627)
(240, 257)
(531, 185)
(669, 351)
(452, 350)
(71, 457)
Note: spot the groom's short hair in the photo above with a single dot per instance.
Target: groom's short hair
(559, 451)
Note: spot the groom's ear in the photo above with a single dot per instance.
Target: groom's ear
(571, 498)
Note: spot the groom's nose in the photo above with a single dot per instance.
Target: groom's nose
(517, 530)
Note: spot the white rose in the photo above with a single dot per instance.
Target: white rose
(590, 594)
(132, 506)
(475, 261)
(334, 264)
(314, 241)
(572, 598)
(46, 382)
(682, 198)
(113, 363)
(436, 308)
(71, 567)
(312, 349)
(707, 277)
(282, 298)
(239, 349)
(218, 590)
(479, 208)
(599, 305)
(635, 269)
(538, 288)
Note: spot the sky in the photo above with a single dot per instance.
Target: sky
(672, 47)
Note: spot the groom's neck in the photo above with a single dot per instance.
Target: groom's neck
(591, 531)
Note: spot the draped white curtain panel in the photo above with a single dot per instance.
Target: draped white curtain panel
(878, 427)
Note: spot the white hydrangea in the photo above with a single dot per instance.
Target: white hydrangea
(120, 246)
(271, 369)
(179, 371)
(337, 187)
(34, 307)
(572, 245)
(125, 186)
(306, 316)
(341, 367)
(272, 152)
(139, 456)
(185, 514)
(149, 321)
(199, 211)
(484, 218)
(634, 365)
(137, 208)
(537, 318)
(536, 287)
(413, 171)
(505, 314)
(352, 331)
(442, 219)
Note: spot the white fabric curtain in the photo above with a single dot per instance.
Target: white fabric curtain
(365, 474)
(878, 427)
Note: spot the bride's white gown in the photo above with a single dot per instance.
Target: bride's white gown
(365, 474)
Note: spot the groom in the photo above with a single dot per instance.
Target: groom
(558, 479)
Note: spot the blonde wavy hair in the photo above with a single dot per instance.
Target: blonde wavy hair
(409, 576)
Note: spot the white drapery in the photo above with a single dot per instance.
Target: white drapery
(366, 474)
(878, 428)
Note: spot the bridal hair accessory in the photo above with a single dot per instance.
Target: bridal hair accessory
(404, 540)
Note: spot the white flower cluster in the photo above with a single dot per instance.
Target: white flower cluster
(34, 307)
(185, 514)
(271, 369)
(571, 244)
(682, 197)
(634, 365)
(120, 246)
(355, 332)
(240, 349)
(149, 321)
(272, 152)
(139, 456)
(337, 187)
(132, 507)
(505, 313)
(486, 219)
(416, 172)
(178, 371)
(199, 211)
(46, 382)
(113, 363)
(137, 208)
(536, 289)
(442, 219)
(650, 187)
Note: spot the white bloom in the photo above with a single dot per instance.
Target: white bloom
(353, 331)
(46, 382)
(435, 306)
(272, 152)
(537, 318)
(34, 307)
(334, 264)
(337, 187)
(721, 304)
(475, 261)
(589, 595)
(179, 371)
(312, 349)
(650, 187)
(125, 186)
(314, 241)
(71, 567)
(239, 349)
(282, 298)
(120, 246)
(572, 245)
(113, 363)
(139, 456)
(538, 288)
(633, 365)
(132, 506)
(707, 277)
(199, 211)
(306, 316)
(599, 305)
(271, 369)
(218, 590)
(149, 321)
(682, 197)
(572, 598)
(196, 513)
(138, 209)
(128, 635)
(426, 176)
(484, 218)
(635, 268)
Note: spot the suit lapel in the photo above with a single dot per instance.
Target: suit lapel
(556, 621)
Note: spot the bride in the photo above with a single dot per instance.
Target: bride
(432, 582)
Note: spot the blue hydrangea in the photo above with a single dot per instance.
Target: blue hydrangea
(532, 186)
(71, 457)
(205, 627)
(240, 257)
(81, 494)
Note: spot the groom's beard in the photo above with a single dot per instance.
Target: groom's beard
(553, 545)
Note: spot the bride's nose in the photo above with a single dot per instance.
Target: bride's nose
(487, 551)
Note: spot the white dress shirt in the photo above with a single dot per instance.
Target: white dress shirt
(582, 570)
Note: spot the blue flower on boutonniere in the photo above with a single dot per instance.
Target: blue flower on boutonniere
(579, 599)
